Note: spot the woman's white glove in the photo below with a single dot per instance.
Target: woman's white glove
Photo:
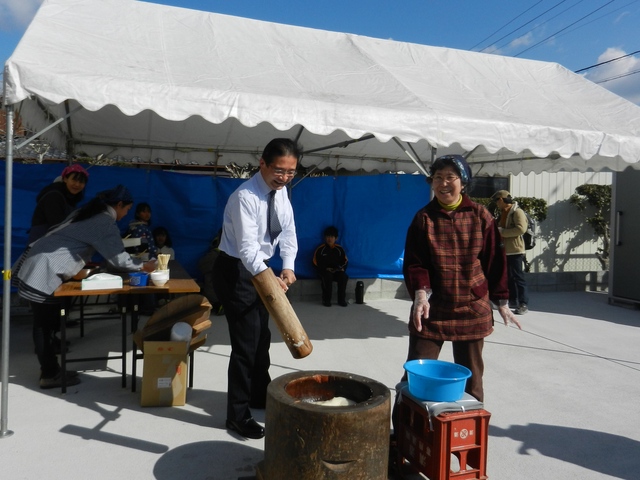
(420, 307)
(507, 315)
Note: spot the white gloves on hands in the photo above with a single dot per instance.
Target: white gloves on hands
(507, 315)
(421, 307)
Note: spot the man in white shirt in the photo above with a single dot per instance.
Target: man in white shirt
(250, 235)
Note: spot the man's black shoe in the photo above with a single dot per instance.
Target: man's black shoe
(248, 428)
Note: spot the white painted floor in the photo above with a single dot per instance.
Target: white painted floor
(563, 394)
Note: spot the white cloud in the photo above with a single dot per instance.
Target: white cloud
(624, 83)
(494, 50)
(514, 45)
(620, 17)
(17, 14)
(523, 41)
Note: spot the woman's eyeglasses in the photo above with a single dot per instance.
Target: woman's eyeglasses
(442, 179)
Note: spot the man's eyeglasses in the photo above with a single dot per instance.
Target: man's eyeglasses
(280, 172)
(441, 179)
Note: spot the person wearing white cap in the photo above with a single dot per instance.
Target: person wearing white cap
(512, 225)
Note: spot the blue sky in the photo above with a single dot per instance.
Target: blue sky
(575, 33)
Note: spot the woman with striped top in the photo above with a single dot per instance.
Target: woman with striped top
(60, 255)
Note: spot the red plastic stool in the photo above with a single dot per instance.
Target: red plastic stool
(429, 433)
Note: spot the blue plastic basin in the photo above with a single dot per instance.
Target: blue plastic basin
(436, 380)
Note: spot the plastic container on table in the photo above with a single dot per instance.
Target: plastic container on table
(138, 279)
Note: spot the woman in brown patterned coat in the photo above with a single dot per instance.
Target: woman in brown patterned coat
(454, 267)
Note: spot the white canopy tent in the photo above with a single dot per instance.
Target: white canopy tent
(136, 81)
(157, 82)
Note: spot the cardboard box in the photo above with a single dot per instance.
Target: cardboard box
(164, 376)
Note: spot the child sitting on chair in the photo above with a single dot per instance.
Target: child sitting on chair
(163, 242)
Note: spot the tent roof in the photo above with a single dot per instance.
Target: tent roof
(165, 82)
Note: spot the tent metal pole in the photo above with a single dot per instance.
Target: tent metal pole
(434, 152)
(344, 144)
(6, 274)
(299, 133)
(413, 159)
(61, 119)
(315, 167)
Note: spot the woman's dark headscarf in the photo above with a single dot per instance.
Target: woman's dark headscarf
(456, 161)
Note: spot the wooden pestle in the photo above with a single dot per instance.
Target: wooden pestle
(282, 313)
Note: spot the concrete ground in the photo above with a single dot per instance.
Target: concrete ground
(563, 394)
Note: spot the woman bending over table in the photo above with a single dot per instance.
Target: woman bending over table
(59, 256)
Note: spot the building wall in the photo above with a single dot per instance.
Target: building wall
(566, 242)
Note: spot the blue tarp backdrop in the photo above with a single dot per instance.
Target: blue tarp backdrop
(372, 213)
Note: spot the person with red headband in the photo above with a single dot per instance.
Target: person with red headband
(54, 204)
(56, 201)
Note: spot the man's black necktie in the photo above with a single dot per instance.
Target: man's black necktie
(274, 224)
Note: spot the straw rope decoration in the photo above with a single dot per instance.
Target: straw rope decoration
(163, 261)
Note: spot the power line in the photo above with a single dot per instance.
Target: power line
(525, 24)
(622, 75)
(608, 61)
(587, 23)
(562, 29)
(611, 12)
(503, 26)
(561, 32)
(548, 20)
